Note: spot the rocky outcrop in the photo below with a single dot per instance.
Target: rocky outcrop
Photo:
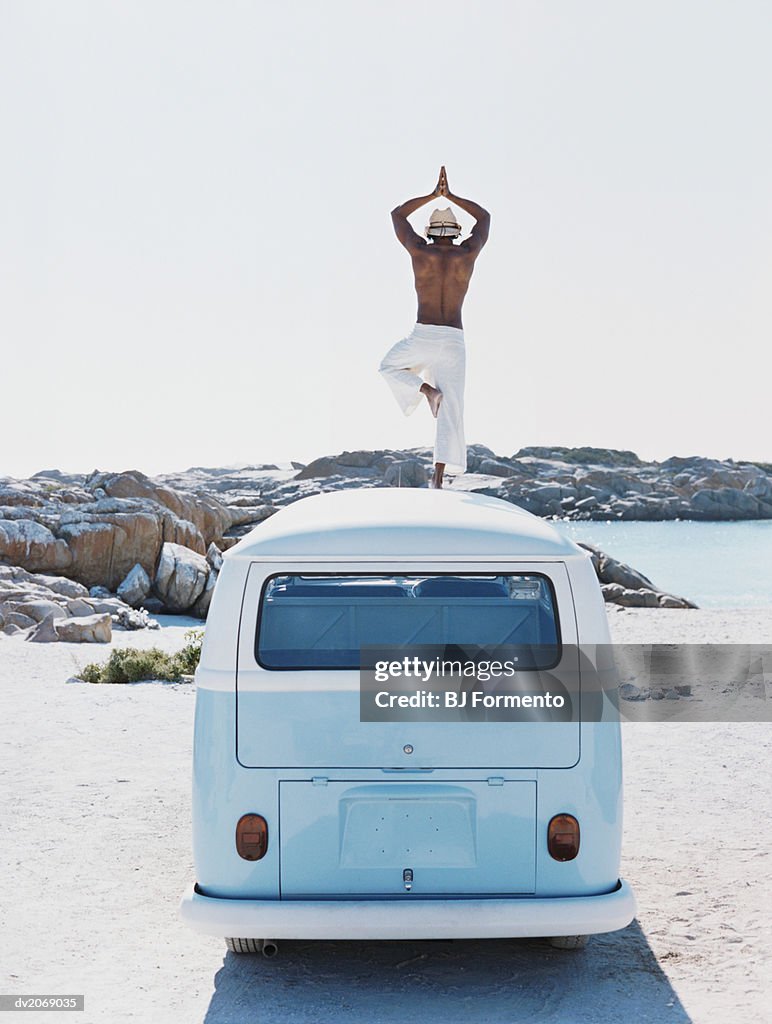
(625, 586)
(149, 538)
(558, 482)
(205, 512)
(619, 489)
(45, 609)
(97, 529)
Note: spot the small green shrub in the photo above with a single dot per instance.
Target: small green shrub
(130, 665)
(92, 673)
(190, 655)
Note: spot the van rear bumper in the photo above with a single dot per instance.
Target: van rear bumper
(523, 917)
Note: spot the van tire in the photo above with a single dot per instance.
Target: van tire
(267, 947)
(569, 941)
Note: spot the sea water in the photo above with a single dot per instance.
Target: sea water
(717, 565)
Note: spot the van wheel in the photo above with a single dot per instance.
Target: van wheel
(569, 941)
(267, 947)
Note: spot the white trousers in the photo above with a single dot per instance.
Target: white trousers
(436, 355)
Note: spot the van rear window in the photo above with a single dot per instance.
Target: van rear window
(321, 621)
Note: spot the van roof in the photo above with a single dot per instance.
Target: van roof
(408, 522)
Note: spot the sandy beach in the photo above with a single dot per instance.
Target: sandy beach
(95, 852)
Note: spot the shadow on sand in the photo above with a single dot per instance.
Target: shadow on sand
(482, 981)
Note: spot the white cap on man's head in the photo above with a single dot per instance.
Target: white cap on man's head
(443, 223)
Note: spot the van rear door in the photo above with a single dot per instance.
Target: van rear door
(298, 662)
(383, 838)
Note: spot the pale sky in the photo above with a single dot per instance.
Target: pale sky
(197, 264)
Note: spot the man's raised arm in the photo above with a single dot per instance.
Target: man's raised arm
(399, 217)
(479, 235)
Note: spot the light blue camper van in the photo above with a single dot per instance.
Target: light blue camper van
(309, 823)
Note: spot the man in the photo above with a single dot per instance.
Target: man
(435, 347)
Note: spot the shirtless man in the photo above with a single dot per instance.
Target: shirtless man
(431, 360)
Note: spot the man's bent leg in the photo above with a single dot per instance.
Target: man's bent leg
(399, 368)
(433, 397)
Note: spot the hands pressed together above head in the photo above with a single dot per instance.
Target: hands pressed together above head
(442, 188)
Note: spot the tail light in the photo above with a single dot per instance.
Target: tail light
(563, 837)
(251, 836)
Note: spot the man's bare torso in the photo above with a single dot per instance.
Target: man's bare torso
(442, 275)
(442, 269)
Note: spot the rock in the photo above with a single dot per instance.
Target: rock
(406, 473)
(618, 579)
(585, 504)
(725, 503)
(597, 456)
(495, 467)
(45, 632)
(32, 545)
(541, 501)
(85, 629)
(100, 592)
(358, 459)
(612, 571)
(325, 466)
(135, 587)
(59, 585)
(153, 606)
(20, 493)
(39, 610)
(201, 607)
(368, 465)
(57, 475)
(106, 545)
(18, 620)
(208, 515)
(629, 691)
(106, 605)
(549, 492)
(760, 486)
(133, 618)
(252, 514)
(683, 690)
(672, 695)
(214, 557)
(11, 629)
(642, 598)
(77, 606)
(180, 577)
(240, 501)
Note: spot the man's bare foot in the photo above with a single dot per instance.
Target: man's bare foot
(433, 397)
